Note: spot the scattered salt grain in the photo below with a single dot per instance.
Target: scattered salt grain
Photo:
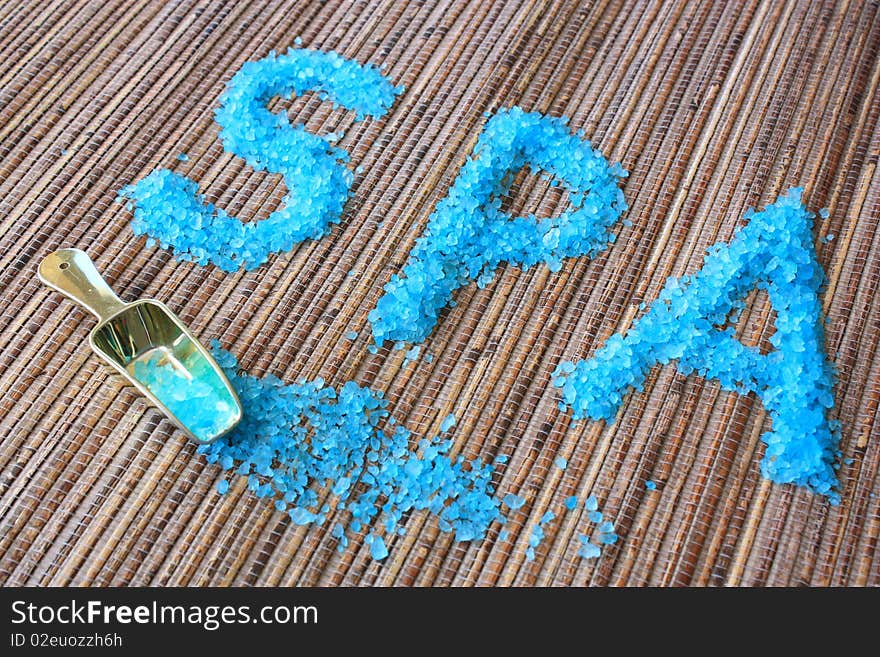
(412, 355)
(298, 437)
(378, 549)
(448, 423)
(588, 550)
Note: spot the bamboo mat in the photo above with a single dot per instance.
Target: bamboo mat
(713, 107)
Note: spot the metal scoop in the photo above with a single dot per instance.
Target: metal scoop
(147, 344)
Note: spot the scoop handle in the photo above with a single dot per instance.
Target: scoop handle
(71, 272)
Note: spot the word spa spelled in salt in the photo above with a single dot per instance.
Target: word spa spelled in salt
(296, 439)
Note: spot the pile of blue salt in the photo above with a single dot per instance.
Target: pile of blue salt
(169, 210)
(468, 236)
(311, 448)
(773, 252)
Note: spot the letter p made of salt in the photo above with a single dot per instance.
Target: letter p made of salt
(469, 235)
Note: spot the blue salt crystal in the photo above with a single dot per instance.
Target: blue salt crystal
(650, 485)
(504, 534)
(829, 237)
(773, 252)
(513, 502)
(448, 423)
(561, 463)
(589, 551)
(468, 235)
(222, 486)
(609, 539)
(169, 209)
(301, 516)
(571, 503)
(298, 40)
(351, 335)
(606, 527)
(591, 503)
(595, 516)
(501, 460)
(429, 358)
(308, 435)
(530, 553)
(183, 157)
(412, 354)
(547, 517)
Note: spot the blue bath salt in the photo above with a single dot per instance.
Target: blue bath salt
(222, 486)
(183, 157)
(412, 354)
(468, 235)
(587, 550)
(561, 462)
(595, 516)
(571, 503)
(504, 534)
(378, 549)
(591, 503)
(351, 335)
(296, 440)
(513, 502)
(650, 485)
(189, 387)
(169, 210)
(773, 252)
(448, 422)
(537, 535)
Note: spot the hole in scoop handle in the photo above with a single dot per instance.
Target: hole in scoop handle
(71, 272)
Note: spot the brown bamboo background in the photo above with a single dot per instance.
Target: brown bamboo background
(713, 107)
